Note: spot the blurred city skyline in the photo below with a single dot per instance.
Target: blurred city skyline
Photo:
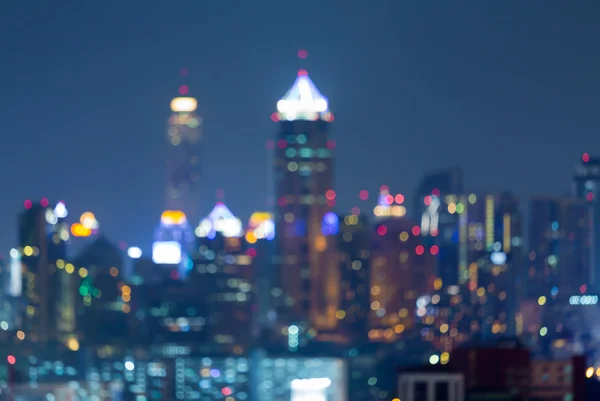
(507, 91)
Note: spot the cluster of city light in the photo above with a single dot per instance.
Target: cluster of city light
(260, 226)
(583, 300)
(387, 205)
(86, 226)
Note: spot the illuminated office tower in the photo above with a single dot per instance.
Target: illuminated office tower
(42, 248)
(559, 241)
(402, 269)
(183, 157)
(354, 244)
(438, 225)
(173, 241)
(586, 186)
(223, 274)
(260, 235)
(303, 174)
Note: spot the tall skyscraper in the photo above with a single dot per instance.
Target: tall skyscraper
(439, 222)
(183, 157)
(559, 241)
(42, 248)
(303, 174)
(586, 186)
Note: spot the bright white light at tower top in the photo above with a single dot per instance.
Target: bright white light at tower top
(220, 220)
(303, 101)
(183, 104)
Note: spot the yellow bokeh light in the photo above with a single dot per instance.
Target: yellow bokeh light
(83, 272)
(443, 328)
(126, 308)
(340, 314)
(173, 217)
(250, 237)
(589, 372)
(60, 263)
(88, 220)
(114, 271)
(69, 268)
(28, 251)
(403, 236)
(399, 328)
(320, 243)
(126, 289)
(79, 230)
(452, 208)
(184, 104)
(20, 335)
(437, 284)
(542, 300)
(73, 344)
(126, 297)
(403, 312)
(444, 358)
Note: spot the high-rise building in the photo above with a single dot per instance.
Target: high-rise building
(42, 247)
(260, 235)
(559, 241)
(104, 298)
(354, 244)
(402, 269)
(586, 186)
(438, 224)
(222, 274)
(183, 157)
(303, 174)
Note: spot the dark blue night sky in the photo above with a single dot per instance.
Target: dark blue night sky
(509, 90)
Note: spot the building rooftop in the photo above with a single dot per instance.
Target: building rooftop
(303, 101)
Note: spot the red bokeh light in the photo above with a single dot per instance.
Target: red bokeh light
(416, 230)
(330, 144)
(330, 194)
(389, 199)
(44, 202)
(302, 73)
(330, 117)
(356, 211)
(434, 232)
(399, 199)
(183, 90)
(331, 202)
(275, 117)
(184, 71)
(585, 157)
(282, 201)
(434, 250)
(381, 230)
(226, 391)
(11, 359)
(435, 192)
(251, 252)
(270, 144)
(174, 274)
(384, 188)
(419, 249)
(364, 194)
(282, 143)
(302, 53)
(27, 204)
(427, 200)
(589, 196)
(583, 289)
